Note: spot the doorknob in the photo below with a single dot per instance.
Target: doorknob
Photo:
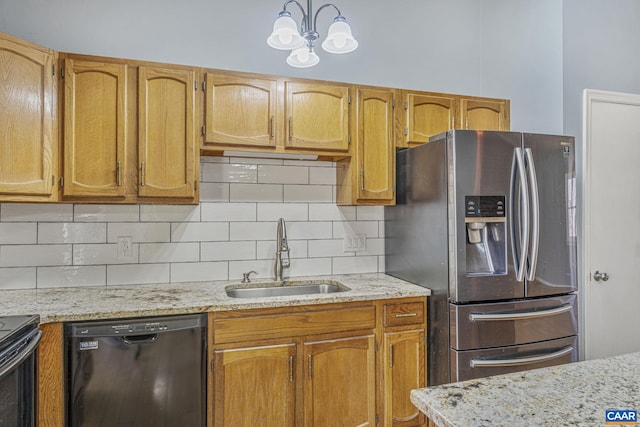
(597, 276)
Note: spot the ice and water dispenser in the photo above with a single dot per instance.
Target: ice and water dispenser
(486, 228)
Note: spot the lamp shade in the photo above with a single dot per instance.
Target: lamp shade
(339, 38)
(285, 33)
(303, 57)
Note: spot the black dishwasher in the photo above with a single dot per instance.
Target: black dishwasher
(137, 372)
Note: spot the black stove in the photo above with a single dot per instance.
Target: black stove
(14, 326)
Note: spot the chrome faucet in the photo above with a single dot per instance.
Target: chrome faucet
(281, 246)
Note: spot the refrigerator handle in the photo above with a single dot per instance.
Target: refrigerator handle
(535, 212)
(517, 170)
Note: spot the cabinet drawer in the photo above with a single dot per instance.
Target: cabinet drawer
(268, 326)
(403, 314)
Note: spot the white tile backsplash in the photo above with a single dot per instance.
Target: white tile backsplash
(231, 231)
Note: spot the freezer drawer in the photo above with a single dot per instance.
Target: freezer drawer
(471, 364)
(476, 326)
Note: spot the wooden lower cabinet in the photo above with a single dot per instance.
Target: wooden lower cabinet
(255, 384)
(339, 380)
(404, 370)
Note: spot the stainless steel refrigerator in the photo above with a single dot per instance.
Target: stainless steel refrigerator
(486, 220)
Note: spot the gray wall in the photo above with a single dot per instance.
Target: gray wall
(495, 48)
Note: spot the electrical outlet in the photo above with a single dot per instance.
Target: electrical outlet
(354, 242)
(125, 247)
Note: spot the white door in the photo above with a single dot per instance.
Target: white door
(611, 233)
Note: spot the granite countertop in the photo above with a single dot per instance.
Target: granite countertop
(576, 394)
(91, 303)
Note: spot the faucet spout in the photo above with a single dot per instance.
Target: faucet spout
(282, 247)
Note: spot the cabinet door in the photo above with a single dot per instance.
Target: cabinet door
(404, 370)
(255, 386)
(241, 111)
(339, 380)
(94, 129)
(484, 114)
(317, 116)
(427, 115)
(167, 132)
(27, 102)
(375, 152)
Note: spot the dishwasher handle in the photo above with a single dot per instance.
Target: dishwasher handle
(139, 339)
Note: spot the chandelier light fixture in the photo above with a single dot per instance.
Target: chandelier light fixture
(301, 41)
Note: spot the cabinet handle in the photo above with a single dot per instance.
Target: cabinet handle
(407, 315)
(310, 366)
(142, 174)
(290, 127)
(290, 368)
(391, 355)
(119, 173)
(271, 127)
(361, 179)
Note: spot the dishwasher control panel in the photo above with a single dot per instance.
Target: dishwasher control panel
(136, 326)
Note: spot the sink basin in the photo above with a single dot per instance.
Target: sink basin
(283, 289)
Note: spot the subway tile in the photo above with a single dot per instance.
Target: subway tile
(226, 251)
(72, 232)
(35, 255)
(381, 229)
(370, 213)
(356, 264)
(106, 213)
(23, 212)
(324, 176)
(263, 268)
(137, 274)
(255, 193)
(267, 249)
(288, 211)
(381, 264)
(214, 192)
(330, 212)
(283, 174)
(340, 228)
(18, 278)
(229, 172)
(309, 193)
(374, 247)
(327, 248)
(199, 231)
(252, 230)
(16, 233)
(309, 230)
(173, 213)
(56, 277)
(199, 271)
(228, 211)
(169, 252)
(309, 267)
(96, 254)
(151, 232)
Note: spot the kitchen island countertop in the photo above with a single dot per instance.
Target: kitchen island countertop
(575, 394)
(110, 302)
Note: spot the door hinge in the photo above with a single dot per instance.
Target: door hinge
(62, 72)
(348, 99)
(406, 131)
(195, 86)
(349, 139)
(361, 179)
(406, 105)
(61, 181)
(376, 419)
(204, 85)
(393, 103)
(195, 185)
(53, 69)
(213, 366)
(203, 130)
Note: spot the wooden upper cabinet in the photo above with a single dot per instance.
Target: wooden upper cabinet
(375, 149)
(426, 115)
(484, 114)
(254, 386)
(339, 387)
(167, 132)
(241, 111)
(317, 116)
(95, 124)
(28, 146)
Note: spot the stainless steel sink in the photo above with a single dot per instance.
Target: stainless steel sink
(281, 289)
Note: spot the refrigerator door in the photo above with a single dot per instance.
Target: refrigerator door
(480, 167)
(552, 259)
